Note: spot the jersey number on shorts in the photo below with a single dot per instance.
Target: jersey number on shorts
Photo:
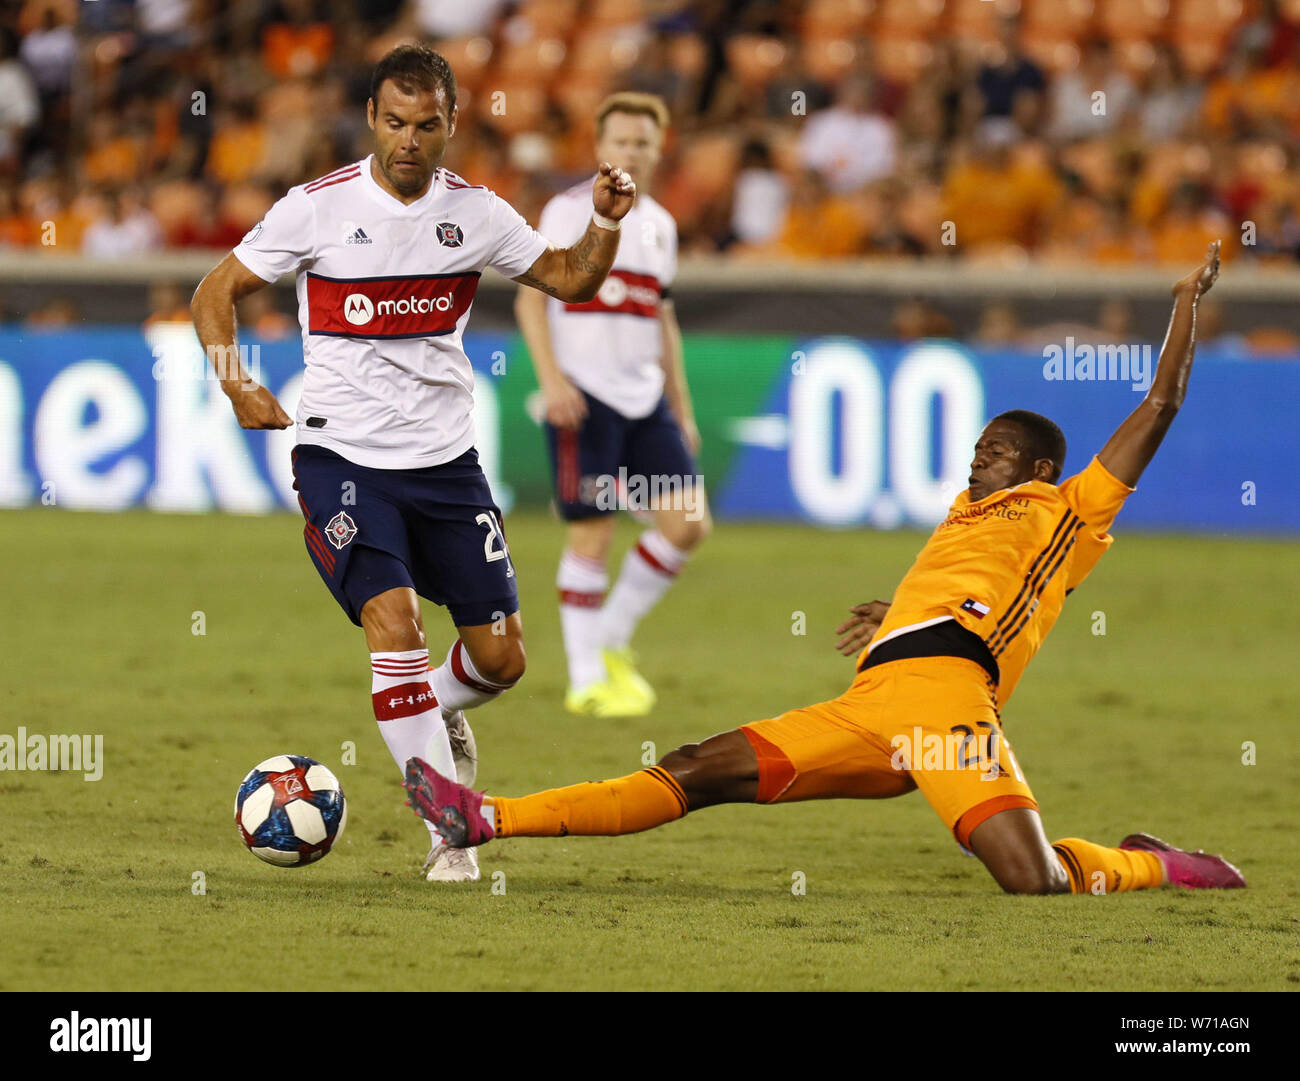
(970, 755)
(494, 536)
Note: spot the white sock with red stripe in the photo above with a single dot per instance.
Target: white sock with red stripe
(648, 570)
(459, 685)
(406, 709)
(582, 583)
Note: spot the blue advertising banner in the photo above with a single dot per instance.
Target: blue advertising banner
(881, 433)
(833, 432)
(108, 418)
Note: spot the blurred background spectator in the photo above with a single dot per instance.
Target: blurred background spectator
(1108, 131)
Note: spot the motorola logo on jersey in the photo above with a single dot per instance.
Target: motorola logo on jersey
(407, 305)
(358, 310)
(613, 291)
(401, 306)
(617, 291)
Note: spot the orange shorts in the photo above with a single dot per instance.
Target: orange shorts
(929, 723)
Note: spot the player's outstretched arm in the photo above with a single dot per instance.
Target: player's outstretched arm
(575, 274)
(1134, 444)
(213, 309)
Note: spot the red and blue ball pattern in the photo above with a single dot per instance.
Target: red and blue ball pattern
(290, 810)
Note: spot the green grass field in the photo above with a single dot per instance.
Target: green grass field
(1141, 728)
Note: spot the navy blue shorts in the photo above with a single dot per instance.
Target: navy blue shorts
(435, 530)
(612, 453)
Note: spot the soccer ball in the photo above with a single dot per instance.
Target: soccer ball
(290, 810)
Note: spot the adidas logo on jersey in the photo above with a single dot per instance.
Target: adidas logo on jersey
(357, 236)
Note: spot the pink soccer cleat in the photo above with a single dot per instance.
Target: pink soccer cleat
(455, 810)
(1195, 870)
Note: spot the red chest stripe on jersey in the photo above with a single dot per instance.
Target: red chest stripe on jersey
(625, 292)
(401, 306)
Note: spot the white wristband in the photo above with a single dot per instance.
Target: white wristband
(602, 222)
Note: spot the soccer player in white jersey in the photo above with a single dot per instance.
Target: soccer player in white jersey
(387, 253)
(619, 422)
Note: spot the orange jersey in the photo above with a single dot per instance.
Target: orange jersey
(1001, 567)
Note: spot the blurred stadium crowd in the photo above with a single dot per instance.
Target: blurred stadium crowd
(1106, 131)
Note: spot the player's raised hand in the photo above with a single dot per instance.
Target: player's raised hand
(256, 408)
(861, 627)
(1204, 276)
(613, 193)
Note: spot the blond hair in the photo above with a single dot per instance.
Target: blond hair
(637, 104)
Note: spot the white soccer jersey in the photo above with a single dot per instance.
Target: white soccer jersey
(612, 346)
(384, 293)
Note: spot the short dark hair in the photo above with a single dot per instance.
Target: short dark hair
(1043, 438)
(412, 68)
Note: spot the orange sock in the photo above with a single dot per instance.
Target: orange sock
(639, 801)
(1097, 869)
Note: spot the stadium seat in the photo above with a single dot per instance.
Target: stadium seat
(1207, 18)
(688, 55)
(753, 59)
(611, 13)
(535, 60)
(708, 162)
(1133, 18)
(1264, 161)
(551, 18)
(1094, 160)
(1199, 54)
(909, 18)
(1201, 32)
(602, 54)
(469, 59)
(979, 20)
(579, 98)
(175, 202)
(784, 144)
(1053, 50)
(1135, 55)
(836, 18)
(32, 14)
(1058, 18)
(245, 204)
(902, 59)
(921, 212)
(828, 60)
(290, 50)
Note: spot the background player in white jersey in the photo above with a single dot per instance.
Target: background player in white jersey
(618, 419)
(387, 253)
